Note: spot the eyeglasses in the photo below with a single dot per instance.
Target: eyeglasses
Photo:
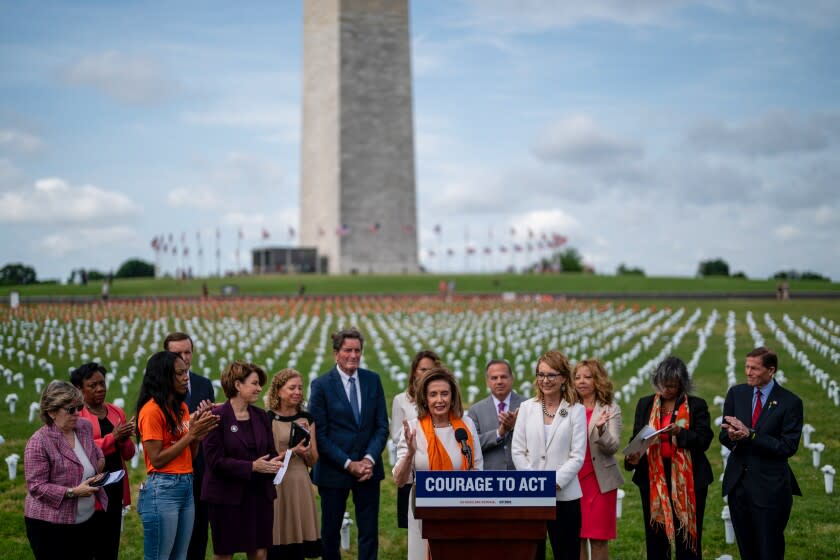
(549, 376)
(73, 409)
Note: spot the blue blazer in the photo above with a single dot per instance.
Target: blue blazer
(200, 389)
(339, 436)
(763, 461)
(229, 462)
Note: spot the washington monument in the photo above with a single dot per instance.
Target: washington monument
(358, 201)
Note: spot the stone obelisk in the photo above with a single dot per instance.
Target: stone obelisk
(358, 200)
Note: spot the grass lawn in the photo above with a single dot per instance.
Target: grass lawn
(426, 284)
(274, 329)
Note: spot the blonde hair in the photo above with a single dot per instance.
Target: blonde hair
(272, 399)
(603, 384)
(56, 395)
(557, 361)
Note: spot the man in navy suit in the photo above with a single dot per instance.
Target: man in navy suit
(762, 424)
(348, 406)
(199, 389)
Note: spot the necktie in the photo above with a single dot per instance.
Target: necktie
(354, 400)
(757, 409)
(501, 407)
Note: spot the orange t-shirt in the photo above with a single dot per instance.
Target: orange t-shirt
(152, 426)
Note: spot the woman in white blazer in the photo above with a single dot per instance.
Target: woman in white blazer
(600, 476)
(550, 434)
(404, 408)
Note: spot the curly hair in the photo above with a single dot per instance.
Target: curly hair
(437, 373)
(672, 369)
(557, 361)
(604, 392)
(272, 398)
(239, 371)
(84, 372)
(415, 363)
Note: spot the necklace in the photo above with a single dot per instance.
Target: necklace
(546, 412)
(99, 412)
(441, 425)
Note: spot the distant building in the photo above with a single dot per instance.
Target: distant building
(287, 260)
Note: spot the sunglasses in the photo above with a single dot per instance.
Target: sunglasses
(74, 409)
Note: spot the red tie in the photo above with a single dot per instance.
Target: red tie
(757, 409)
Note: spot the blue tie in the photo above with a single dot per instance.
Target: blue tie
(354, 400)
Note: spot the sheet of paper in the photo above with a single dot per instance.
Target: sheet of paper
(643, 440)
(278, 478)
(112, 477)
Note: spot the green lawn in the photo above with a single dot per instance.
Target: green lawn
(274, 324)
(426, 284)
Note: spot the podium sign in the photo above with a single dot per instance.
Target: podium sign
(484, 489)
(484, 514)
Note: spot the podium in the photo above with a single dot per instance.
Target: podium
(484, 514)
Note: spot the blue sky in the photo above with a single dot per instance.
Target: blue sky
(655, 133)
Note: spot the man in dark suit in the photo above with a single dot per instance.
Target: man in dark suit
(762, 424)
(348, 406)
(495, 417)
(199, 389)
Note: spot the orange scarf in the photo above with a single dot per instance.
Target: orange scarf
(682, 481)
(438, 455)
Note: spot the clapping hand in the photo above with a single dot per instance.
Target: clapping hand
(735, 429)
(124, 431)
(202, 421)
(507, 420)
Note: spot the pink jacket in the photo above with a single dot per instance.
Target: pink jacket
(108, 444)
(51, 467)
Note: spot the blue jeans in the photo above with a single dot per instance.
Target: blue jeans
(167, 510)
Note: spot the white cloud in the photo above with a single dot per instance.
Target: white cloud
(787, 232)
(19, 141)
(128, 78)
(774, 134)
(524, 16)
(200, 197)
(275, 116)
(82, 239)
(9, 173)
(54, 200)
(241, 180)
(577, 140)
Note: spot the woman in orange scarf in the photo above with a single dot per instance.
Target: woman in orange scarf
(428, 443)
(674, 474)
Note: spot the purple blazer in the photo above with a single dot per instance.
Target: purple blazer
(51, 467)
(229, 462)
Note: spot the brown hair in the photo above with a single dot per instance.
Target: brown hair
(603, 385)
(57, 395)
(437, 373)
(272, 398)
(557, 361)
(769, 359)
(415, 363)
(238, 371)
(339, 336)
(177, 337)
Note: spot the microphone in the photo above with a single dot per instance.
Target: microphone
(461, 436)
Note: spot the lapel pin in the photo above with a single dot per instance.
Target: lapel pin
(234, 428)
(563, 412)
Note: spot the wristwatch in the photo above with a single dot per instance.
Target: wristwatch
(69, 494)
